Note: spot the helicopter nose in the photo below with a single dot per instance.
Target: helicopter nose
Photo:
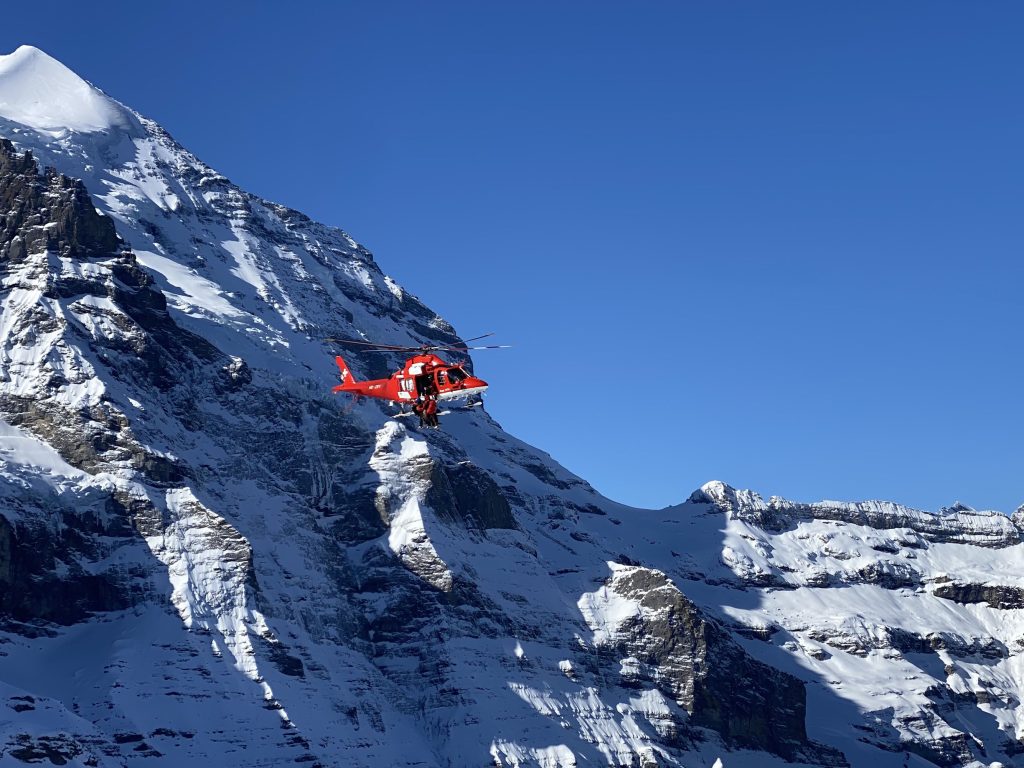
(472, 383)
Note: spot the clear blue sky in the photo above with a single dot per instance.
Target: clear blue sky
(777, 244)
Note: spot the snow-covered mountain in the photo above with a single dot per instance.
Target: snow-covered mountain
(207, 559)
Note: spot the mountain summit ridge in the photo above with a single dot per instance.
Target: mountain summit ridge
(38, 91)
(204, 556)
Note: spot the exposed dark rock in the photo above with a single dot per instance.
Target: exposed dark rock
(55, 750)
(235, 374)
(952, 750)
(287, 663)
(762, 633)
(974, 648)
(48, 212)
(1013, 747)
(466, 494)
(886, 574)
(906, 642)
(1000, 596)
(32, 589)
(909, 642)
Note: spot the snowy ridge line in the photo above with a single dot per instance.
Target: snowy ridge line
(958, 523)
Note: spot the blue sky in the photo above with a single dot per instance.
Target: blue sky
(776, 244)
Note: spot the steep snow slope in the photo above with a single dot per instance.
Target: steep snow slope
(205, 557)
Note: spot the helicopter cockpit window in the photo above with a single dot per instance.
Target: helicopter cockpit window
(456, 375)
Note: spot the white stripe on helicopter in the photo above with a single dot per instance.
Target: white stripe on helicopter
(457, 393)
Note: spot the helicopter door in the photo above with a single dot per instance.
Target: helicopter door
(406, 387)
(442, 380)
(424, 383)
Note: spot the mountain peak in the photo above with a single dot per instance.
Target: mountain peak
(39, 92)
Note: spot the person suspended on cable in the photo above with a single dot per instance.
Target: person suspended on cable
(430, 409)
(419, 408)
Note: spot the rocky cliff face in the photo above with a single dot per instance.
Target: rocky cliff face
(205, 557)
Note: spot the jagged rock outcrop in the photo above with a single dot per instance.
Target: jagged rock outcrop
(48, 212)
(661, 637)
(996, 595)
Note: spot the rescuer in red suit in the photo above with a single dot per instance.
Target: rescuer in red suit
(430, 409)
(419, 409)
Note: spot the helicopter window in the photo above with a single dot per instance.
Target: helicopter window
(407, 385)
(456, 375)
(442, 378)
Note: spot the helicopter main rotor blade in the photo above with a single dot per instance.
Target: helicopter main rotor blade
(372, 344)
(467, 349)
(477, 338)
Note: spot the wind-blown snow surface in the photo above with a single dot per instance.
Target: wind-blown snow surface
(41, 93)
(204, 558)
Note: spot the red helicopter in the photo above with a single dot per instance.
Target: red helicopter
(422, 373)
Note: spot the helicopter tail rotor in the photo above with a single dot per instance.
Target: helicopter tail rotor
(347, 379)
